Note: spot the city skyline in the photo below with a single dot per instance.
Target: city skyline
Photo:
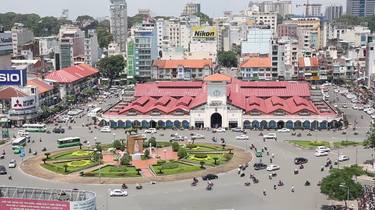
(158, 7)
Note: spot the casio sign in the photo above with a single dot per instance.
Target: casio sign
(9, 77)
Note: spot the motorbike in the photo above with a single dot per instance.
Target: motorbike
(280, 183)
(307, 183)
(247, 184)
(299, 135)
(209, 186)
(274, 187)
(309, 134)
(255, 180)
(301, 167)
(2, 156)
(138, 187)
(124, 186)
(295, 171)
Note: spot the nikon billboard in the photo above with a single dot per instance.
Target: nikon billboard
(204, 32)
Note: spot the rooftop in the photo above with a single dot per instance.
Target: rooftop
(217, 77)
(41, 85)
(9, 92)
(72, 74)
(191, 63)
(257, 62)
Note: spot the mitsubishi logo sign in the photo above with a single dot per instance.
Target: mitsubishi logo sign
(17, 104)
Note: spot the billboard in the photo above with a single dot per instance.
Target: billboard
(30, 204)
(13, 77)
(26, 102)
(6, 42)
(204, 32)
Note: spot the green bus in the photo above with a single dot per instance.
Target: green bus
(35, 127)
(18, 144)
(68, 142)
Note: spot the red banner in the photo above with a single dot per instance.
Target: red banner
(29, 204)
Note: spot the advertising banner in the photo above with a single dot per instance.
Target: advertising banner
(89, 204)
(204, 32)
(29, 204)
(26, 102)
(13, 77)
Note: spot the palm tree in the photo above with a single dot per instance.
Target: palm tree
(44, 160)
(65, 168)
(47, 154)
(138, 171)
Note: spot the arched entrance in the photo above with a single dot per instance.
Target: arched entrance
(216, 120)
(280, 124)
(153, 124)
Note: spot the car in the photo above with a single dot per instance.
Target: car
(209, 177)
(272, 168)
(218, 130)
(335, 106)
(3, 170)
(12, 163)
(284, 130)
(237, 129)
(270, 136)
(322, 149)
(58, 130)
(23, 133)
(105, 129)
(300, 160)
(179, 138)
(259, 166)
(320, 153)
(197, 136)
(150, 130)
(118, 192)
(242, 137)
(343, 158)
(344, 106)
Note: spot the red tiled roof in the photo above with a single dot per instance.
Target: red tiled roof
(266, 97)
(9, 92)
(257, 62)
(217, 77)
(191, 63)
(40, 85)
(72, 74)
(308, 62)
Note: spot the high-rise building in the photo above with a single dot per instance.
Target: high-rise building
(282, 8)
(119, 23)
(142, 50)
(333, 12)
(360, 8)
(20, 36)
(191, 9)
(71, 44)
(91, 47)
(258, 41)
(314, 10)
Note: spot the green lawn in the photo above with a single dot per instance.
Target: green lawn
(116, 171)
(203, 148)
(209, 159)
(71, 155)
(347, 143)
(73, 166)
(309, 144)
(175, 167)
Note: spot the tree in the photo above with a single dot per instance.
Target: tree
(44, 160)
(175, 146)
(182, 152)
(335, 185)
(215, 159)
(47, 154)
(138, 171)
(152, 141)
(370, 142)
(227, 59)
(147, 154)
(104, 34)
(204, 18)
(202, 164)
(126, 159)
(65, 168)
(111, 67)
(117, 144)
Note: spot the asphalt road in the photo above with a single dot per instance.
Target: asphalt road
(229, 191)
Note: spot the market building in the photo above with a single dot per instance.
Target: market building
(223, 101)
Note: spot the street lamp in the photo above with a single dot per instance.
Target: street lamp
(97, 152)
(348, 194)
(95, 139)
(114, 136)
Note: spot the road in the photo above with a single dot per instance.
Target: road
(229, 191)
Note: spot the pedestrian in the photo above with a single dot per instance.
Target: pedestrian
(273, 155)
(292, 189)
(268, 153)
(270, 160)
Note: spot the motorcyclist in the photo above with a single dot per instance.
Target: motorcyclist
(124, 186)
(264, 192)
(195, 180)
(301, 166)
(307, 183)
(292, 189)
(274, 187)
(281, 183)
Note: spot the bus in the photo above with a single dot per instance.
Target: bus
(18, 144)
(35, 127)
(94, 112)
(68, 142)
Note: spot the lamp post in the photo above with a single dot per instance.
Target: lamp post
(348, 194)
(95, 140)
(114, 136)
(97, 152)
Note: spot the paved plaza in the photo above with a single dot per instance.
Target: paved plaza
(229, 191)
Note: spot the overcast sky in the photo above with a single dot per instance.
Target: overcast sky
(99, 8)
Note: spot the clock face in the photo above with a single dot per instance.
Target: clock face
(217, 93)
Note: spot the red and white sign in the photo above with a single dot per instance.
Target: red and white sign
(29, 204)
(25, 102)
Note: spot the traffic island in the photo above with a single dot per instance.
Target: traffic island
(170, 170)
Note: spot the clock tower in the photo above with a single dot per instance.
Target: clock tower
(217, 89)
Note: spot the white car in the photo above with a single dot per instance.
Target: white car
(284, 130)
(150, 130)
(270, 136)
(242, 137)
(23, 133)
(237, 130)
(197, 136)
(12, 164)
(272, 168)
(118, 192)
(343, 158)
(322, 149)
(105, 129)
(320, 153)
(219, 130)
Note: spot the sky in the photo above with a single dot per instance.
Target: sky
(100, 8)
